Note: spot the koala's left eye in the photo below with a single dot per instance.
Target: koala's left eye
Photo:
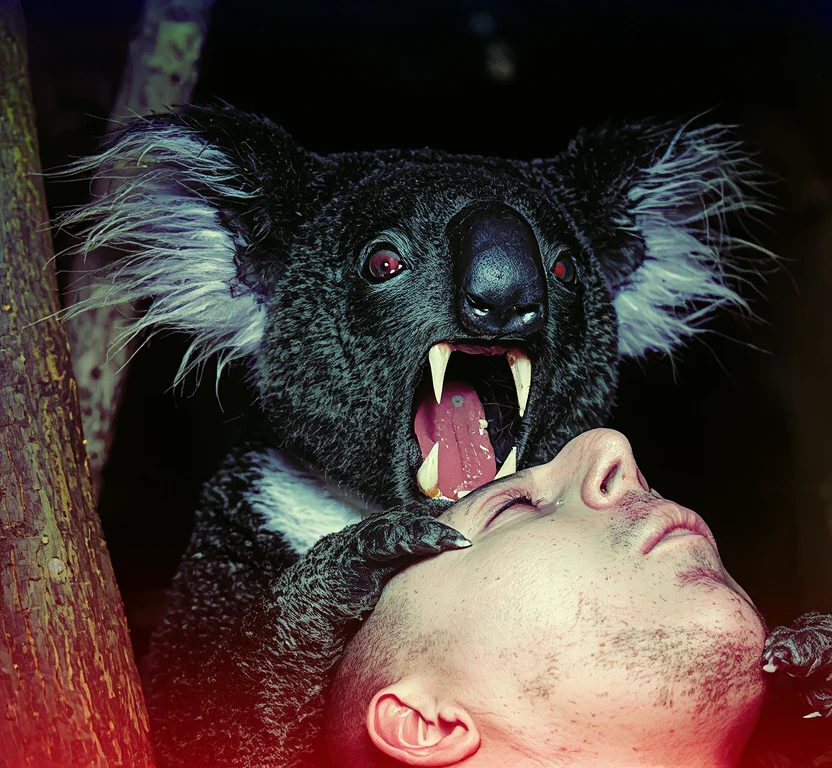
(564, 267)
(382, 264)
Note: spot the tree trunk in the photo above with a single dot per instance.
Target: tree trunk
(69, 690)
(161, 72)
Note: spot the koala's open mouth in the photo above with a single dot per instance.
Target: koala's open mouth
(467, 413)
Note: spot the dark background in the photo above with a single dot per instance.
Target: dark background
(735, 426)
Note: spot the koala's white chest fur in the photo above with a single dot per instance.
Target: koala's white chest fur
(298, 505)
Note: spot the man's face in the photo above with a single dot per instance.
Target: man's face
(588, 602)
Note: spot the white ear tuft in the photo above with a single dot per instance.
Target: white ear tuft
(160, 208)
(677, 207)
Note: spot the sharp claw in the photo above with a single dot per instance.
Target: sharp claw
(446, 540)
(770, 667)
(456, 541)
(812, 714)
(419, 536)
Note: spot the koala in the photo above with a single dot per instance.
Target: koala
(415, 323)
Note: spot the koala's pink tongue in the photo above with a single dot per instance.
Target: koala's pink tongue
(466, 458)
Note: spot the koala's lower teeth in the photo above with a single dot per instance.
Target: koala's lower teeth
(428, 475)
(509, 465)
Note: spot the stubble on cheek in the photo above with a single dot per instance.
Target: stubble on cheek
(541, 684)
(704, 668)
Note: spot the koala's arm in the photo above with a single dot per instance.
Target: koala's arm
(261, 699)
(803, 651)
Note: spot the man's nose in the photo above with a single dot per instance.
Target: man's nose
(612, 471)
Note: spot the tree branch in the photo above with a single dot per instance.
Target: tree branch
(161, 72)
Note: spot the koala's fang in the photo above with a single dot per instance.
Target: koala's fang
(454, 425)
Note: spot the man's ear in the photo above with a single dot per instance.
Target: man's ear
(415, 727)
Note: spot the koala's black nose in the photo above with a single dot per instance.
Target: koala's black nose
(500, 283)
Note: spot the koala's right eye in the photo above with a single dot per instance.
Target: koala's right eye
(382, 264)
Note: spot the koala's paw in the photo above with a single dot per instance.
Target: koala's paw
(803, 651)
(402, 535)
(345, 572)
(381, 545)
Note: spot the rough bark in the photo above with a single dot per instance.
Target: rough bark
(160, 73)
(69, 690)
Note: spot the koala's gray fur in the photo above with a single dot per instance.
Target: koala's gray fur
(260, 250)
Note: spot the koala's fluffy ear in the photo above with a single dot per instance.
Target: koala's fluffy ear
(652, 201)
(205, 203)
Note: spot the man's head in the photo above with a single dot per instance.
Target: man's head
(591, 623)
